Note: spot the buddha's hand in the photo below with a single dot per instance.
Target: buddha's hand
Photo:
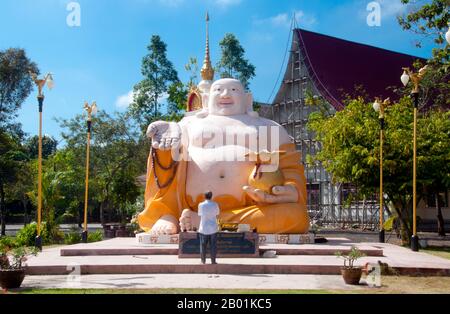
(280, 194)
(189, 220)
(164, 135)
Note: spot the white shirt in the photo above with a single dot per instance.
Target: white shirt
(208, 212)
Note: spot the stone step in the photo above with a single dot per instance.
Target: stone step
(127, 246)
(169, 264)
(50, 261)
(173, 250)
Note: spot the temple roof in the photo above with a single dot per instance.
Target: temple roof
(338, 65)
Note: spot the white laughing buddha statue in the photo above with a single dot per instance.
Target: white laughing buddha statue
(214, 150)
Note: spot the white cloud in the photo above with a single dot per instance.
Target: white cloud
(227, 3)
(124, 101)
(392, 7)
(285, 20)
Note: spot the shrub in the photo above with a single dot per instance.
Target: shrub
(351, 257)
(72, 238)
(8, 243)
(49, 234)
(95, 236)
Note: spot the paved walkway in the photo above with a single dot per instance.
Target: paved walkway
(190, 281)
(50, 262)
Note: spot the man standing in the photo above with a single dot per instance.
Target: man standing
(208, 212)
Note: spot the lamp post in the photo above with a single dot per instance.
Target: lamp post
(415, 78)
(380, 106)
(40, 83)
(91, 110)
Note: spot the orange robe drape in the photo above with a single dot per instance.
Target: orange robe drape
(288, 218)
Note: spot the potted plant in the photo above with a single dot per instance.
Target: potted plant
(12, 268)
(350, 273)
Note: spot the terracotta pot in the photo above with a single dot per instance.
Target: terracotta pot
(351, 276)
(11, 279)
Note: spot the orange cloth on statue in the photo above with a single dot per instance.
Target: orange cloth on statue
(286, 218)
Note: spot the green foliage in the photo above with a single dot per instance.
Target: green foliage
(73, 237)
(118, 157)
(158, 74)
(176, 101)
(193, 69)
(7, 243)
(19, 256)
(49, 234)
(49, 145)
(389, 223)
(431, 21)
(351, 149)
(15, 83)
(11, 158)
(233, 63)
(133, 210)
(351, 257)
(95, 236)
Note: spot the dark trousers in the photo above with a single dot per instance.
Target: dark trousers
(204, 239)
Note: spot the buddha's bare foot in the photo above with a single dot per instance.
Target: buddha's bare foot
(167, 224)
(189, 220)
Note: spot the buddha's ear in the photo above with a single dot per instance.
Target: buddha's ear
(249, 103)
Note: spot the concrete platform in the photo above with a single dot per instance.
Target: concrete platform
(50, 261)
(127, 246)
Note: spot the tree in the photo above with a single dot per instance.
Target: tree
(176, 101)
(233, 63)
(25, 178)
(118, 157)
(192, 68)
(430, 21)
(435, 144)
(15, 84)
(350, 151)
(49, 145)
(158, 74)
(11, 154)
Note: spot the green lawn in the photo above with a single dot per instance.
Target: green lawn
(441, 252)
(390, 285)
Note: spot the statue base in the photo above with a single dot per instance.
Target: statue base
(229, 244)
(146, 238)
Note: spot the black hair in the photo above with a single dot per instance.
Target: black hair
(208, 195)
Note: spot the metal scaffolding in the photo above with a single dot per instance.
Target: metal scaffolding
(328, 204)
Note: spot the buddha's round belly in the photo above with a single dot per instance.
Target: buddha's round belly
(221, 170)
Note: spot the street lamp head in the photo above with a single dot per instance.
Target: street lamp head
(90, 109)
(405, 77)
(50, 81)
(377, 105)
(94, 109)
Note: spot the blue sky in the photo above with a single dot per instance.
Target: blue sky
(100, 60)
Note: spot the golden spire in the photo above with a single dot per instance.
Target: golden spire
(207, 70)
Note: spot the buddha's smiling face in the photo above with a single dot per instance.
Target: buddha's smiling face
(227, 98)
